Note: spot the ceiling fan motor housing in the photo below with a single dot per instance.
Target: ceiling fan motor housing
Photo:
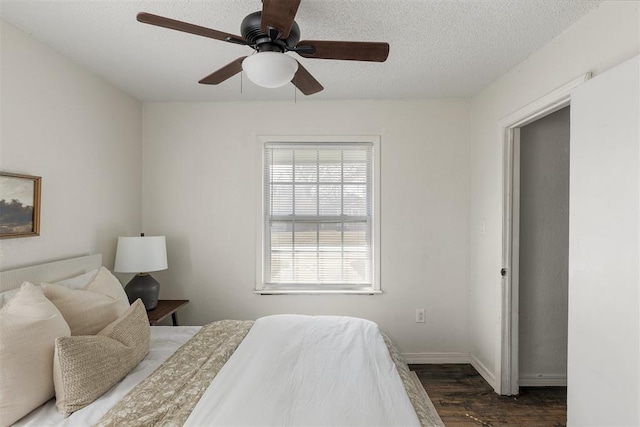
(251, 29)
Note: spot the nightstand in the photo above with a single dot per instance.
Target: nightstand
(165, 308)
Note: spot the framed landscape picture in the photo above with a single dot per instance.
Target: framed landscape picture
(19, 205)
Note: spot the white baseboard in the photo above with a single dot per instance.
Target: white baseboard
(548, 380)
(483, 371)
(489, 377)
(436, 358)
(452, 357)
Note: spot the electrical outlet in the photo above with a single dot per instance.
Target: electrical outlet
(420, 315)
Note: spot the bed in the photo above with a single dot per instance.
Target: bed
(278, 370)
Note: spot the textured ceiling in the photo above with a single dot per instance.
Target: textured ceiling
(439, 48)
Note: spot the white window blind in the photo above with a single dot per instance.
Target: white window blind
(318, 215)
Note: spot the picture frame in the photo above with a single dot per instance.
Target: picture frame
(19, 205)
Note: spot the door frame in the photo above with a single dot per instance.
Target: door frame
(506, 355)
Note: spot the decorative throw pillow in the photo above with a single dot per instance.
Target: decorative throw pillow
(29, 326)
(90, 309)
(85, 367)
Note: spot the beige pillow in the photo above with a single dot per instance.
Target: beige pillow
(85, 367)
(29, 326)
(90, 309)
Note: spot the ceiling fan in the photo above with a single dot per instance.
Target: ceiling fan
(272, 32)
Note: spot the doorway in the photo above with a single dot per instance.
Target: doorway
(507, 346)
(543, 280)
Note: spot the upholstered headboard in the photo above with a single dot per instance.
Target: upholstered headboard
(49, 272)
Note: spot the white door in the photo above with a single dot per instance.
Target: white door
(604, 251)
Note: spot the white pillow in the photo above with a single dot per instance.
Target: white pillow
(29, 326)
(90, 309)
(77, 282)
(80, 281)
(6, 296)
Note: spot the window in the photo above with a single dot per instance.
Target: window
(319, 216)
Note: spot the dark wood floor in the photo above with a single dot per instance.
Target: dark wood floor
(463, 398)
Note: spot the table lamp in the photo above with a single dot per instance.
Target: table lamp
(141, 255)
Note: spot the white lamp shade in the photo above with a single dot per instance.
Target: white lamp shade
(270, 69)
(141, 254)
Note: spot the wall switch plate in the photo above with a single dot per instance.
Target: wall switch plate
(420, 315)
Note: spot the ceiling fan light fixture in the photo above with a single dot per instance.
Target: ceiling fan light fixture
(270, 69)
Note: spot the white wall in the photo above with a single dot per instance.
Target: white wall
(604, 250)
(544, 250)
(200, 183)
(83, 136)
(603, 38)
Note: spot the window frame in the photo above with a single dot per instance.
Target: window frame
(266, 289)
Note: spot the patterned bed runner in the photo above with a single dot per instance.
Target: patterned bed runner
(427, 414)
(169, 394)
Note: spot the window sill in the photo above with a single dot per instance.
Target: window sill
(317, 292)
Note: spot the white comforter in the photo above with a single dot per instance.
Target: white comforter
(289, 370)
(302, 370)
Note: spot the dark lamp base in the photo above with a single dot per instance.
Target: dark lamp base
(146, 288)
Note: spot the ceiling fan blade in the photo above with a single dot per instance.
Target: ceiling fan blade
(161, 21)
(222, 74)
(305, 82)
(349, 51)
(278, 15)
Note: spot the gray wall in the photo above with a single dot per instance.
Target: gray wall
(544, 248)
